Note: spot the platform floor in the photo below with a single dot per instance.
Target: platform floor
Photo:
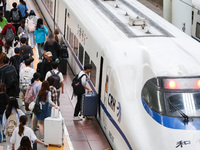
(79, 135)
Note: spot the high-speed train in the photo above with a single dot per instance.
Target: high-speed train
(146, 71)
(196, 19)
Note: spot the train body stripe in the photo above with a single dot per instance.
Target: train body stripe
(172, 122)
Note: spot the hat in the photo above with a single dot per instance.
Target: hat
(32, 11)
(49, 54)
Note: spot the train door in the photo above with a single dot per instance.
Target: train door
(106, 94)
(55, 12)
(100, 87)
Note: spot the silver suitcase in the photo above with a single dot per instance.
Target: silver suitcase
(54, 131)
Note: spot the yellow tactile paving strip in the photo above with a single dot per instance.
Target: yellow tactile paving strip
(32, 5)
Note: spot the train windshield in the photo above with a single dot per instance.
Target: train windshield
(187, 103)
(174, 97)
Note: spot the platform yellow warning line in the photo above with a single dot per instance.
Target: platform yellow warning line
(65, 147)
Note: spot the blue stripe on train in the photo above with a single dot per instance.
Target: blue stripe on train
(171, 122)
(93, 89)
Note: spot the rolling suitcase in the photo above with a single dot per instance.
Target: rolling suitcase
(89, 104)
(63, 66)
(54, 131)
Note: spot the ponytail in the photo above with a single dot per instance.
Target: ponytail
(32, 80)
(23, 120)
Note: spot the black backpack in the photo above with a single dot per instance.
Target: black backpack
(10, 77)
(9, 34)
(17, 62)
(77, 86)
(15, 15)
(56, 77)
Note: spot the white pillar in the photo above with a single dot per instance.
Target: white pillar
(182, 15)
(167, 10)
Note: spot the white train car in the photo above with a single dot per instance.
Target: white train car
(146, 71)
(196, 19)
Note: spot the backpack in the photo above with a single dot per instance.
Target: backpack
(16, 64)
(10, 77)
(29, 95)
(15, 15)
(31, 26)
(9, 34)
(56, 77)
(11, 124)
(25, 81)
(77, 86)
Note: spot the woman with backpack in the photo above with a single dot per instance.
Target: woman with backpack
(40, 32)
(4, 99)
(31, 21)
(21, 131)
(44, 97)
(11, 119)
(23, 8)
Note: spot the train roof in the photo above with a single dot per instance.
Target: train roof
(167, 50)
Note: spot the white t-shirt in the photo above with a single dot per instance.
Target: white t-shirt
(16, 139)
(10, 53)
(27, 72)
(55, 71)
(83, 79)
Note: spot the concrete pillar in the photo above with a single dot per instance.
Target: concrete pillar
(182, 15)
(167, 10)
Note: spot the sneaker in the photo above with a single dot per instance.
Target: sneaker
(77, 118)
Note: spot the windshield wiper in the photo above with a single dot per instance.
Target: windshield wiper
(186, 118)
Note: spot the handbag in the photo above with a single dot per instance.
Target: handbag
(37, 109)
(31, 105)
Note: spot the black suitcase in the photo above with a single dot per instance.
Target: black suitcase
(89, 104)
(63, 66)
(63, 50)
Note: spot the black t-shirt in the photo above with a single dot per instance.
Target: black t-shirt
(26, 49)
(4, 99)
(54, 49)
(16, 61)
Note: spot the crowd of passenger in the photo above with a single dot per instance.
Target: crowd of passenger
(20, 27)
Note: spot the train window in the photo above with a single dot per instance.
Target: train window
(75, 45)
(106, 86)
(81, 52)
(87, 58)
(192, 17)
(71, 38)
(198, 30)
(93, 73)
(153, 98)
(198, 12)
